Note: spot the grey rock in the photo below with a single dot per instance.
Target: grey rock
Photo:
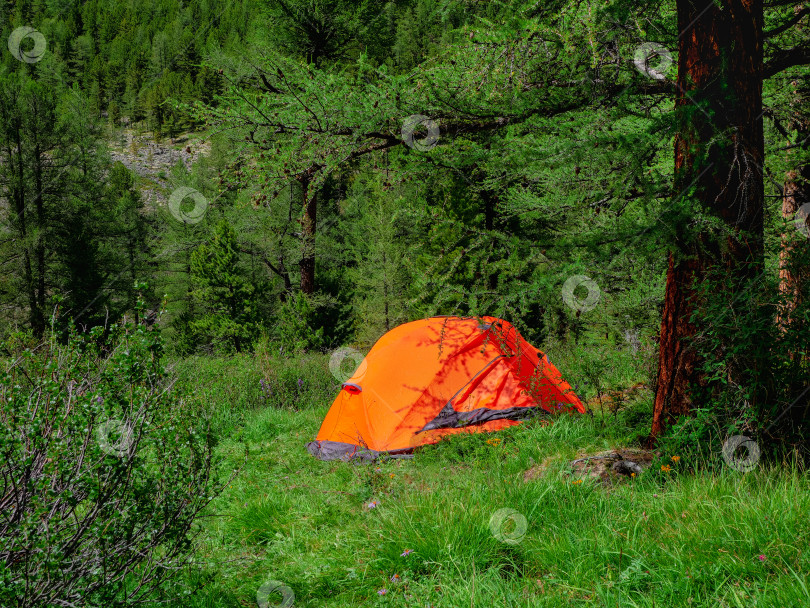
(626, 467)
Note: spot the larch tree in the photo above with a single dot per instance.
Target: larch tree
(719, 152)
(719, 159)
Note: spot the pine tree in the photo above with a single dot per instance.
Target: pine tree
(32, 184)
(223, 291)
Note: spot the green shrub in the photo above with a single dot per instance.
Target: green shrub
(103, 471)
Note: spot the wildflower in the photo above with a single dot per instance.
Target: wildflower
(391, 475)
(396, 578)
(382, 591)
(494, 441)
(632, 474)
(373, 504)
(676, 458)
(577, 482)
(666, 468)
(300, 383)
(99, 400)
(761, 558)
(406, 552)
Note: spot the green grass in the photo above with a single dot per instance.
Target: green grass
(664, 539)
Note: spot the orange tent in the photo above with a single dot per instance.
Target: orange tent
(442, 375)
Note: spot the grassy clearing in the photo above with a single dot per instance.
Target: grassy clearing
(664, 539)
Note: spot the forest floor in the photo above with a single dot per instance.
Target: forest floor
(462, 524)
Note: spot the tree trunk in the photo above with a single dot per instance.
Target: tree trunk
(307, 263)
(490, 212)
(719, 151)
(285, 276)
(18, 219)
(795, 195)
(39, 243)
(29, 237)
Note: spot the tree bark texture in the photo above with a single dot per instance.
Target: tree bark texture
(719, 150)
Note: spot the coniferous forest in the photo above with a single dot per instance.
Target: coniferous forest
(211, 211)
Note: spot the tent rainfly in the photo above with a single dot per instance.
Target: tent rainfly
(434, 377)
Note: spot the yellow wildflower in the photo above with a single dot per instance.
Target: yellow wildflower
(666, 468)
(577, 482)
(676, 458)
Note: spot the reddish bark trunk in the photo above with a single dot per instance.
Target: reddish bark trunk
(796, 194)
(676, 362)
(718, 158)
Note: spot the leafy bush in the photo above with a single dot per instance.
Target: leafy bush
(103, 471)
